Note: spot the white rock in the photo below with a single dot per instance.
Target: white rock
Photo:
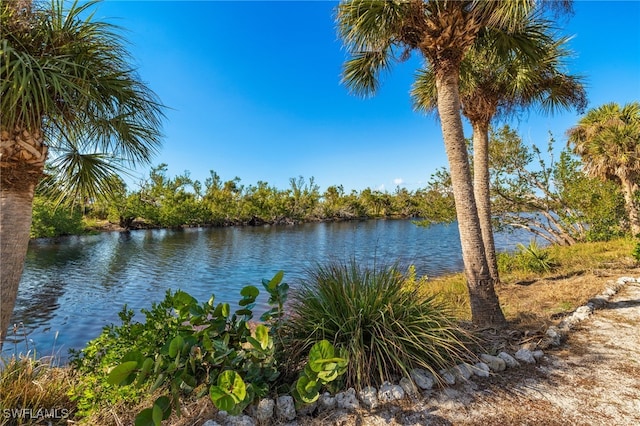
(537, 354)
(285, 407)
(211, 423)
(390, 393)
(347, 400)
(264, 409)
(509, 360)
(447, 377)
(462, 371)
(422, 378)
(609, 292)
(555, 335)
(495, 363)
(307, 409)
(326, 402)
(481, 369)
(369, 397)
(525, 356)
(582, 313)
(408, 386)
(241, 420)
(624, 280)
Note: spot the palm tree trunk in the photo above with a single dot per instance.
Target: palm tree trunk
(482, 193)
(485, 308)
(21, 165)
(629, 187)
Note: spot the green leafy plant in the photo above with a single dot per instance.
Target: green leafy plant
(207, 350)
(386, 326)
(533, 258)
(636, 252)
(323, 368)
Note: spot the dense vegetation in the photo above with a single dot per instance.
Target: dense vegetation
(164, 201)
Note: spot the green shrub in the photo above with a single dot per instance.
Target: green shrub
(636, 252)
(205, 349)
(533, 258)
(50, 220)
(385, 326)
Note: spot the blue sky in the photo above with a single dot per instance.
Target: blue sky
(254, 91)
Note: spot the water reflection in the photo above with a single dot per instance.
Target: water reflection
(77, 285)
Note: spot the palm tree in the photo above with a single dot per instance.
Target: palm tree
(377, 33)
(608, 140)
(498, 78)
(67, 92)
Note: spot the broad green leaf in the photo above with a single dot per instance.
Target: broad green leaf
(328, 375)
(277, 279)
(147, 365)
(320, 352)
(120, 373)
(164, 403)
(225, 403)
(250, 291)
(156, 414)
(232, 384)
(176, 345)
(307, 389)
(145, 418)
(262, 336)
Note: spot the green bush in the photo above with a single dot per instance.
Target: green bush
(384, 325)
(636, 252)
(533, 258)
(50, 220)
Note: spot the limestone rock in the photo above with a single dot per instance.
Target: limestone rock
(481, 369)
(369, 397)
(409, 387)
(526, 356)
(462, 371)
(241, 420)
(347, 400)
(210, 423)
(582, 313)
(326, 402)
(390, 393)
(447, 377)
(537, 354)
(555, 336)
(285, 407)
(509, 360)
(495, 363)
(264, 409)
(422, 378)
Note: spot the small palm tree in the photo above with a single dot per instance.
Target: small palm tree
(498, 78)
(68, 92)
(608, 140)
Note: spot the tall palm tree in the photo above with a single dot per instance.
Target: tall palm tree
(608, 140)
(377, 33)
(498, 77)
(68, 92)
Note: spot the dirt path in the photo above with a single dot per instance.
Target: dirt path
(592, 379)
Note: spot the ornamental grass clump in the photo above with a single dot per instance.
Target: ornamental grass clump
(384, 324)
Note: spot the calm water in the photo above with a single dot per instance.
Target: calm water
(74, 286)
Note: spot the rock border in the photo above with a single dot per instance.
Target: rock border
(283, 409)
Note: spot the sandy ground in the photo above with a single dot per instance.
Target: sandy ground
(592, 379)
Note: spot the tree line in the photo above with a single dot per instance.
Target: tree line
(164, 201)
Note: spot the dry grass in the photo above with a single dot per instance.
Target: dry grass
(34, 384)
(532, 301)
